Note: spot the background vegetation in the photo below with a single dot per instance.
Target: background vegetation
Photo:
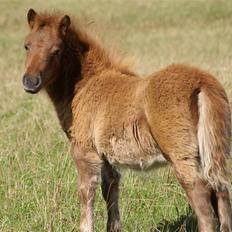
(37, 175)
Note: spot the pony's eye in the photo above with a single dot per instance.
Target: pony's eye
(26, 47)
(56, 52)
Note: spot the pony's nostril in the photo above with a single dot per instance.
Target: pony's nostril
(33, 81)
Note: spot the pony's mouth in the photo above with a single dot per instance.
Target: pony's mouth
(32, 84)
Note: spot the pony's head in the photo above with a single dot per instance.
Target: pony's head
(44, 46)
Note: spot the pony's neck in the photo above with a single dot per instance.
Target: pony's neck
(80, 62)
(95, 61)
(61, 91)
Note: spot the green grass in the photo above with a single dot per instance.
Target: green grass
(37, 175)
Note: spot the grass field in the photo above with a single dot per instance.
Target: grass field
(37, 175)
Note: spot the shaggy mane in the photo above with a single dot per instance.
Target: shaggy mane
(110, 58)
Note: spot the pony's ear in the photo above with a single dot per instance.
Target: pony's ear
(31, 14)
(64, 24)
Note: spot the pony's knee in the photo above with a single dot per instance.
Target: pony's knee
(187, 172)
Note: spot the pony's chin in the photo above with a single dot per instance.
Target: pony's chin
(32, 91)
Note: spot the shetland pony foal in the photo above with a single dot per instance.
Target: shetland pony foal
(114, 118)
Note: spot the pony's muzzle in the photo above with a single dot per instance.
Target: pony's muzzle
(32, 84)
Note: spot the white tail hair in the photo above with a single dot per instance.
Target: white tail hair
(214, 137)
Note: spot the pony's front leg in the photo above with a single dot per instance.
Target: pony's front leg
(88, 166)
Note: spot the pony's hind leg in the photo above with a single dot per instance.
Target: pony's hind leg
(223, 207)
(110, 192)
(199, 194)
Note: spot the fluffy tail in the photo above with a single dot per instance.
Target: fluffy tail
(214, 131)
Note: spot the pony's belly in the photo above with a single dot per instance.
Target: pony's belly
(133, 154)
(130, 144)
(140, 163)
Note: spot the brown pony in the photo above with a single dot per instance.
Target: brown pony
(114, 118)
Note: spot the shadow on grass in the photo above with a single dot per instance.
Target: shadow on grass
(184, 223)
